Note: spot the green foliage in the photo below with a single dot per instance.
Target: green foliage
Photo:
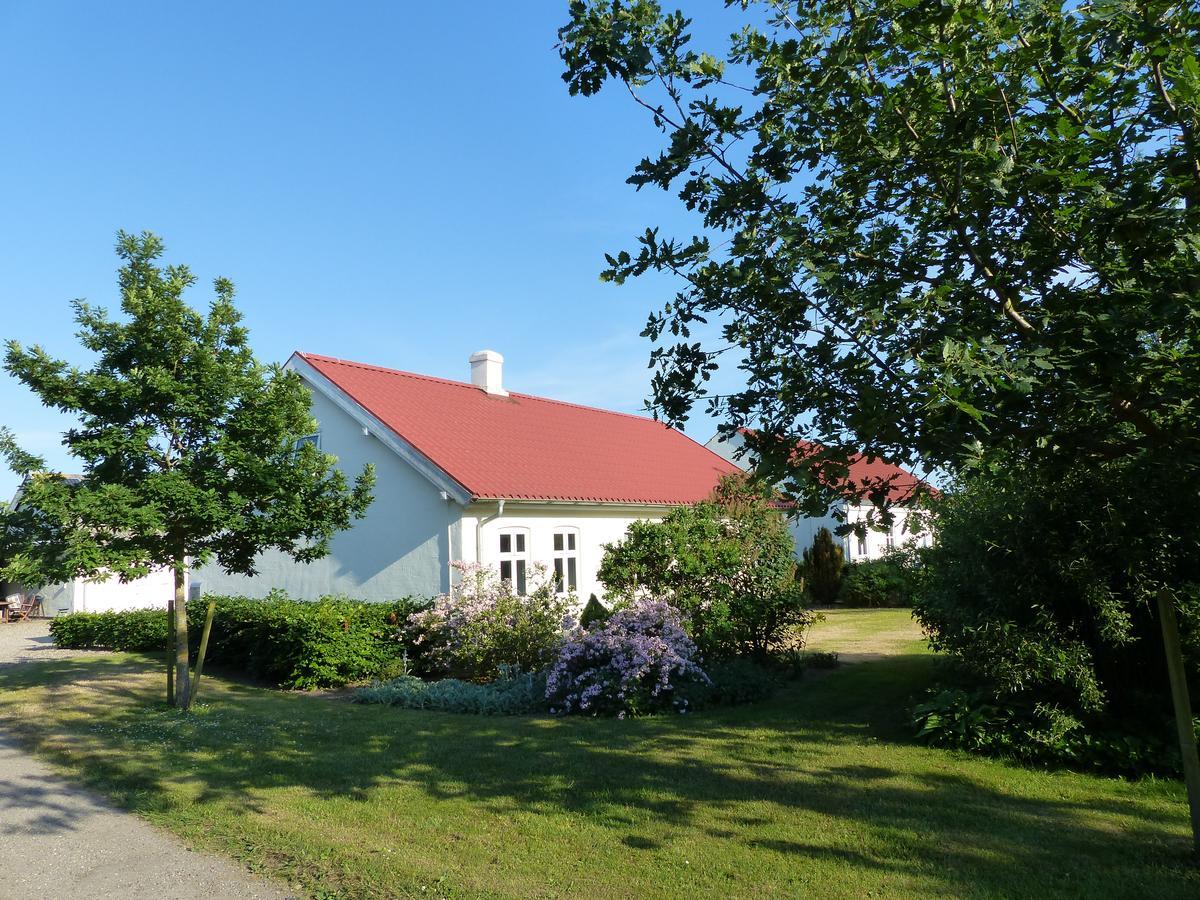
(185, 442)
(890, 581)
(290, 643)
(594, 612)
(1042, 735)
(732, 682)
(483, 627)
(823, 564)
(1039, 589)
(303, 644)
(132, 630)
(727, 564)
(513, 694)
(922, 225)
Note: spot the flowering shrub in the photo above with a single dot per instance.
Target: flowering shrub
(633, 663)
(728, 564)
(482, 626)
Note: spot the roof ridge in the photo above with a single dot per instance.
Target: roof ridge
(467, 384)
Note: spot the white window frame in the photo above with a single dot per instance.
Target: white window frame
(515, 559)
(861, 540)
(565, 554)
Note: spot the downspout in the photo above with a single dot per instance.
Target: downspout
(450, 542)
(479, 523)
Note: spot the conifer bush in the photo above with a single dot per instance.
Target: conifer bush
(822, 568)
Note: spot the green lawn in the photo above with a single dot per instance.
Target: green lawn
(819, 792)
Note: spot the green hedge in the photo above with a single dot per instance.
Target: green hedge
(890, 581)
(134, 630)
(291, 643)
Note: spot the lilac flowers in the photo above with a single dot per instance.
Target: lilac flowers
(482, 626)
(634, 663)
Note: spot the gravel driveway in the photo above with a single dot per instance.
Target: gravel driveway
(61, 841)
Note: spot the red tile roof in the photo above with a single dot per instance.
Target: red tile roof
(519, 447)
(867, 473)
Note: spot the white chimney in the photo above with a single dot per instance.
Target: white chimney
(486, 368)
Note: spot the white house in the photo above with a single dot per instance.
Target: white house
(903, 487)
(472, 472)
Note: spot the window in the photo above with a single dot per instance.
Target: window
(566, 561)
(514, 559)
(862, 543)
(891, 537)
(314, 439)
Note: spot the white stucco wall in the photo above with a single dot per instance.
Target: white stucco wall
(401, 548)
(595, 524)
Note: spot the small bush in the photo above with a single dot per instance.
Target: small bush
(822, 567)
(134, 630)
(878, 582)
(821, 659)
(512, 694)
(973, 720)
(483, 626)
(635, 663)
(593, 613)
(732, 682)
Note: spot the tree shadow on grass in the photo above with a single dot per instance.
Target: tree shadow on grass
(766, 780)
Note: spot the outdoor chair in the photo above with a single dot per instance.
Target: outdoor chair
(25, 607)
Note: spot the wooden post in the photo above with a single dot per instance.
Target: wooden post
(1183, 710)
(171, 652)
(208, 619)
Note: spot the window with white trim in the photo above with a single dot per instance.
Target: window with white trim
(891, 537)
(862, 543)
(514, 558)
(566, 560)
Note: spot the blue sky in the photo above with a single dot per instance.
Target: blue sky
(396, 183)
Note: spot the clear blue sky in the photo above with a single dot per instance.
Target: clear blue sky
(396, 183)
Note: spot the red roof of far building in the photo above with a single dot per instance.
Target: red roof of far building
(870, 472)
(518, 447)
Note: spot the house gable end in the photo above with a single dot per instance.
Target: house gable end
(379, 430)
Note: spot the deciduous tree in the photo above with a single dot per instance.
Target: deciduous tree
(186, 443)
(926, 228)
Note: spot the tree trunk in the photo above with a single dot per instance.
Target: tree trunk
(170, 651)
(182, 680)
(1183, 710)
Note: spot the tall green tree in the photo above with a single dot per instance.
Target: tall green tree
(186, 445)
(822, 565)
(926, 228)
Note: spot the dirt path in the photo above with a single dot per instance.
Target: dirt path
(62, 841)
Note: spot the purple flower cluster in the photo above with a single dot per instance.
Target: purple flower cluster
(634, 663)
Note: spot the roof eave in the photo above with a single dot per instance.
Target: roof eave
(385, 434)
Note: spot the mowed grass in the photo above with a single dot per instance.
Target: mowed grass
(819, 792)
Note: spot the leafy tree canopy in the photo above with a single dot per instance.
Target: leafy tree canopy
(185, 442)
(186, 447)
(923, 226)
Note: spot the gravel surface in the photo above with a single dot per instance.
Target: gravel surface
(22, 642)
(61, 841)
